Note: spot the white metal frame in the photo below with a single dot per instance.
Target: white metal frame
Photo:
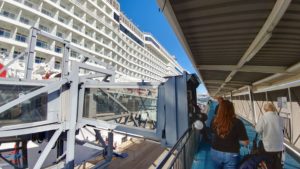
(118, 128)
(51, 124)
(71, 120)
(51, 118)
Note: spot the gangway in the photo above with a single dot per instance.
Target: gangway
(74, 116)
(245, 51)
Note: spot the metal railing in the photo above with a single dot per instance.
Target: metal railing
(182, 153)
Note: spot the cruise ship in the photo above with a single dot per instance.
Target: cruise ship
(85, 88)
(96, 27)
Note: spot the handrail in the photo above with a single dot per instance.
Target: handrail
(176, 146)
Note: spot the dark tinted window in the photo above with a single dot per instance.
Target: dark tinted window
(21, 38)
(116, 17)
(152, 41)
(131, 35)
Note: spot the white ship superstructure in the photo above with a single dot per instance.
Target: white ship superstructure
(97, 27)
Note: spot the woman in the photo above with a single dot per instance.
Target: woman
(227, 134)
(270, 126)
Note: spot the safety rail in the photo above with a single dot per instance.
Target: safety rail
(182, 153)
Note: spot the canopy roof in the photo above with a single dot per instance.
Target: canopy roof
(236, 43)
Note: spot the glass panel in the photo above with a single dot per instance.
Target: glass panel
(44, 28)
(287, 128)
(42, 44)
(32, 110)
(57, 65)
(25, 20)
(9, 14)
(59, 34)
(116, 104)
(46, 12)
(39, 59)
(21, 38)
(4, 33)
(12, 92)
(57, 49)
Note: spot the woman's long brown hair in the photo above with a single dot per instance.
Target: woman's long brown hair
(224, 118)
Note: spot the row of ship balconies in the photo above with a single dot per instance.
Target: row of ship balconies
(114, 3)
(80, 26)
(44, 56)
(26, 20)
(111, 33)
(10, 51)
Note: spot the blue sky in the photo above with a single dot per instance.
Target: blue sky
(145, 14)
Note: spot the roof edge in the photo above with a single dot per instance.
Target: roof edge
(167, 9)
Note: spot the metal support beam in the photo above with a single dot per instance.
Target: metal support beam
(216, 87)
(72, 116)
(246, 68)
(99, 138)
(95, 69)
(65, 60)
(29, 130)
(47, 149)
(90, 76)
(231, 82)
(31, 53)
(109, 152)
(120, 128)
(133, 85)
(293, 69)
(262, 37)
(81, 102)
(110, 146)
(115, 117)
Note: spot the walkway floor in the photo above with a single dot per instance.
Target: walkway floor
(141, 154)
(202, 158)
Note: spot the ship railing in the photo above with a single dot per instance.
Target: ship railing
(181, 155)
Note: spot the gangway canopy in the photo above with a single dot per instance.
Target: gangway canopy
(235, 43)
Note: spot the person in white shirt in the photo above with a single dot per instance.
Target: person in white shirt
(270, 126)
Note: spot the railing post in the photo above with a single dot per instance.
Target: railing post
(291, 115)
(252, 104)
